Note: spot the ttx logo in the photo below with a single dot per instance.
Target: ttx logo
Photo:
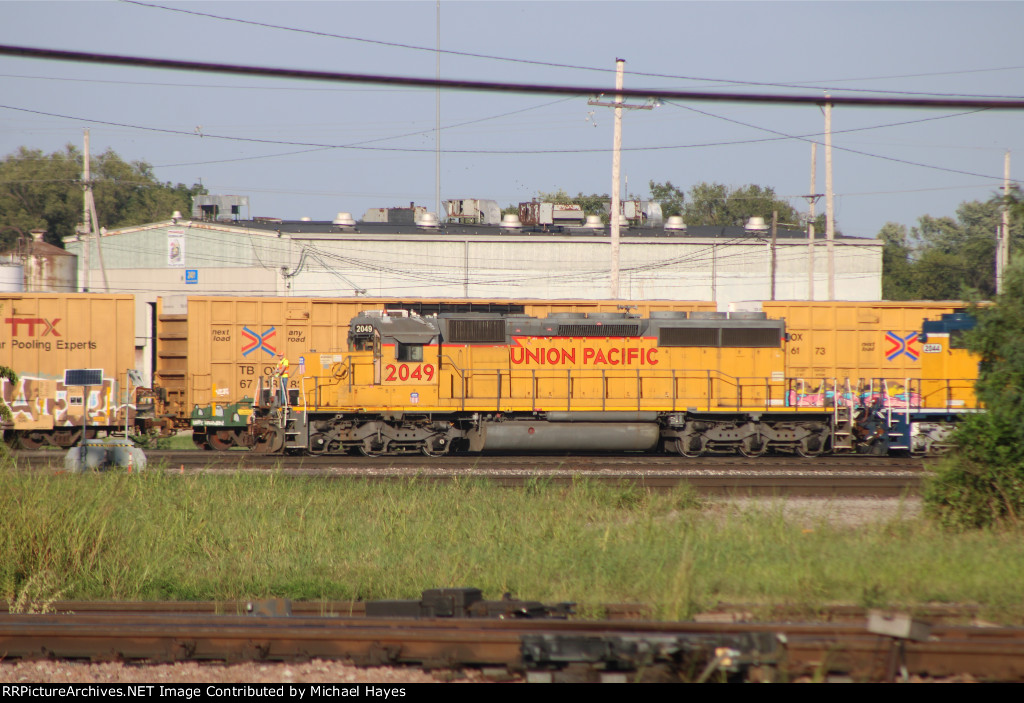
(48, 327)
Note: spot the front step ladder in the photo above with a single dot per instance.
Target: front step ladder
(842, 418)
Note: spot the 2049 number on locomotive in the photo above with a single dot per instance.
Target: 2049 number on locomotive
(408, 373)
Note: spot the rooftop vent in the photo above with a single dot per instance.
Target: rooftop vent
(675, 223)
(511, 221)
(756, 224)
(343, 219)
(593, 222)
(428, 220)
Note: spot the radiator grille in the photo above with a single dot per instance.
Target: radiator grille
(750, 337)
(598, 330)
(719, 337)
(688, 337)
(480, 331)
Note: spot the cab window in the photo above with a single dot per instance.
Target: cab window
(409, 352)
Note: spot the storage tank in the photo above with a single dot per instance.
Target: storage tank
(12, 278)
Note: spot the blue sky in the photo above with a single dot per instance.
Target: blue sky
(942, 48)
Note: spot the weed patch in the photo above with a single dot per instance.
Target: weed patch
(167, 536)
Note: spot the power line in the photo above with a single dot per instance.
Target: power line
(192, 86)
(1010, 103)
(361, 146)
(551, 64)
(783, 135)
(369, 141)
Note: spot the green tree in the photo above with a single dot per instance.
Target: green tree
(947, 258)
(671, 198)
(717, 204)
(45, 190)
(897, 270)
(982, 483)
(958, 254)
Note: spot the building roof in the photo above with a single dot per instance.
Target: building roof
(39, 249)
(326, 227)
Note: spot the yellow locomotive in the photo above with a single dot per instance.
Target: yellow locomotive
(690, 383)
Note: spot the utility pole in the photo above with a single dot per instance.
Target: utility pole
(86, 228)
(775, 224)
(90, 223)
(437, 124)
(830, 223)
(1003, 241)
(812, 199)
(616, 169)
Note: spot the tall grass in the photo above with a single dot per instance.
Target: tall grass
(159, 535)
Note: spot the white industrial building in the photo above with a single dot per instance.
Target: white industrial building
(306, 258)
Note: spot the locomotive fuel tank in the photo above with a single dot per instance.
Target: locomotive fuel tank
(545, 436)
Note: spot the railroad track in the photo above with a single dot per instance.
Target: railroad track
(881, 649)
(721, 613)
(669, 462)
(725, 475)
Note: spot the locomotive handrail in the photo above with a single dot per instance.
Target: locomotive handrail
(561, 386)
(462, 376)
(948, 390)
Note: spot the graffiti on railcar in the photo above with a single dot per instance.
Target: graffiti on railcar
(32, 399)
(821, 393)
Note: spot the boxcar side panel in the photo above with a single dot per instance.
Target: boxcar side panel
(46, 334)
(855, 339)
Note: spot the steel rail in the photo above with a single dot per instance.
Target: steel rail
(804, 649)
(722, 613)
(782, 479)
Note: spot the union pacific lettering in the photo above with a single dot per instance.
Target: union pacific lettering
(587, 356)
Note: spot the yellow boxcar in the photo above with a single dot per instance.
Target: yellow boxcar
(855, 340)
(44, 335)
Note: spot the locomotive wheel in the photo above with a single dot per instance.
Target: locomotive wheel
(319, 444)
(753, 447)
(222, 440)
(810, 447)
(430, 449)
(200, 441)
(371, 451)
(31, 440)
(270, 442)
(684, 447)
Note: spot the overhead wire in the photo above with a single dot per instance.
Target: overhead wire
(1007, 103)
(805, 138)
(505, 86)
(536, 62)
(516, 152)
(159, 63)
